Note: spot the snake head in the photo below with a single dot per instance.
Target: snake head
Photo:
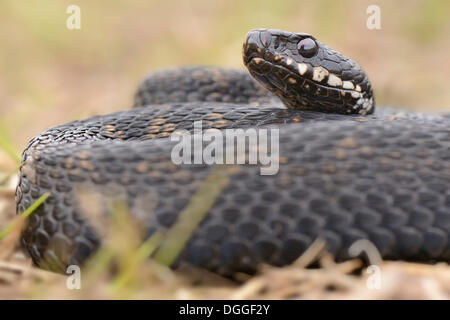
(306, 74)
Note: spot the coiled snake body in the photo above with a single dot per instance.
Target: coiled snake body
(346, 173)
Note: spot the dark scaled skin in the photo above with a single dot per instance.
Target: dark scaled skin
(383, 177)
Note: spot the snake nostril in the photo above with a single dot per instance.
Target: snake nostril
(252, 38)
(266, 38)
(276, 43)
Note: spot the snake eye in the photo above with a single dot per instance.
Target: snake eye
(307, 47)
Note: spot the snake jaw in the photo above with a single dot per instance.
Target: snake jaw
(326, 81)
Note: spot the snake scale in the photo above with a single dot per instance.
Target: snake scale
(346, 172)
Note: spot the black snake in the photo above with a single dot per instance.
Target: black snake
(345, 173)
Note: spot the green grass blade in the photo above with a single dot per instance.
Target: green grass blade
(24, 215)
(143, 252)
(149, 246)
(8, 176)
(192, 215)
(9, 149)
(5, 179)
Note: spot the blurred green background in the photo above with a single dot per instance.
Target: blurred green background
(51, 75)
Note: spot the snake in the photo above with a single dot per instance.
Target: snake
(347, 170)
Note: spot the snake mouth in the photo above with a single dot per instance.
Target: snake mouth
(286, 78)
(298, 85)
(303, 81)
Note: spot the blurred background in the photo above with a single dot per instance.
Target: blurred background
(50, 74)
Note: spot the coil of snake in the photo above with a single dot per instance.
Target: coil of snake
(346, 172)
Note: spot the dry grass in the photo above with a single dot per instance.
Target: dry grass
(139, 278)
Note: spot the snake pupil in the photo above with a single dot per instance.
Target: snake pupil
(307, 47)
